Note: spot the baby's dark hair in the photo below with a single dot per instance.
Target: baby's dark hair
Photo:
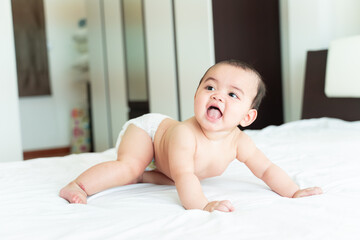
(261, 89)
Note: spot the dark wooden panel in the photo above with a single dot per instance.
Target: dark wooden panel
(54, 152)
(30, 47)
(315, 103)
(138, 108)
(248, 30)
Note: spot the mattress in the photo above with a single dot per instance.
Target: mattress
(321, 152)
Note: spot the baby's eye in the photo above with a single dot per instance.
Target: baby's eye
(210, 88)
(233, 95)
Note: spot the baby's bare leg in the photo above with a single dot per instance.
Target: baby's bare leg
(128, 167)
(156, 178)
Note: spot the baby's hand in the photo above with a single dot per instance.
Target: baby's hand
(223, 206)
(307, 192)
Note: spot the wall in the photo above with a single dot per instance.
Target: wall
(107, 71)
(135, 50)
(45, 120)
(165, 63)
(306, 25)
(10, 141)
(195, 48)
(310, 25)
(161, 57)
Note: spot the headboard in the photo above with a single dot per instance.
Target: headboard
(315, 103)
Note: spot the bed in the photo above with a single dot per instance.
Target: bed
(318, 151)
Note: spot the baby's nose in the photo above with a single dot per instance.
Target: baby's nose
(218, 97)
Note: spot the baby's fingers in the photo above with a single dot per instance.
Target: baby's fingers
(308, 192)
(225, 206)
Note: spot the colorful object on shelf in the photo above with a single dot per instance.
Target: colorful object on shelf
(80, 126)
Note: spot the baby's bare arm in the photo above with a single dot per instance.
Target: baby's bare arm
(276, 178)
(182, 149)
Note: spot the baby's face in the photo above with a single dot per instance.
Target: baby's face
(224, 97)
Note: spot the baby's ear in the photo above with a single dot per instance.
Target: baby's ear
(249, 118)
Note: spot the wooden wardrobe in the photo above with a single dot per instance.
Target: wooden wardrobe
(249, 30)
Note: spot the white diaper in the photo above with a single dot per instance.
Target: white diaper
(149, 123)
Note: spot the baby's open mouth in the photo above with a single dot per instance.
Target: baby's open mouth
(214, 112)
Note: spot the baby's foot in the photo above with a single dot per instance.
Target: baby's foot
(73, 193)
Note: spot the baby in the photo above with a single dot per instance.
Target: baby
(184, 153)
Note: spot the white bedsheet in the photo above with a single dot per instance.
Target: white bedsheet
(318, 152)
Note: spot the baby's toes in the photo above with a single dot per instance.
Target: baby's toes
(78, 199)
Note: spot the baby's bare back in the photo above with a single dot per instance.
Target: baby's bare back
(211, 158)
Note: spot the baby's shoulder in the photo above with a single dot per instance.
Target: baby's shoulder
(180, 132)
(244, 146)
(243, 140)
